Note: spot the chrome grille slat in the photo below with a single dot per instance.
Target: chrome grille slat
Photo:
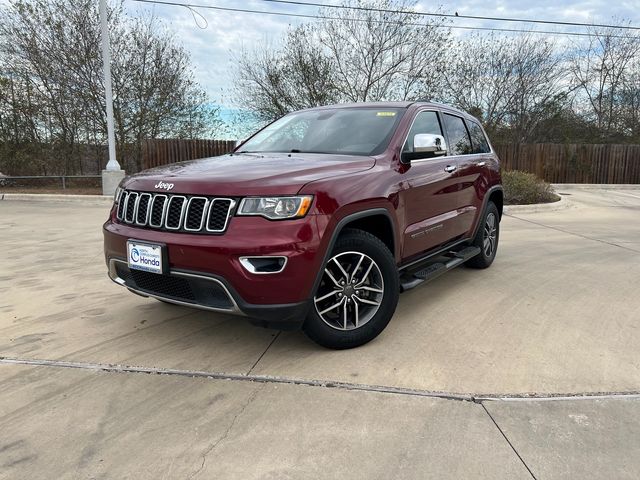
(196, 213)
(185, 213)
(142, 211)
(170, 222)
(214, 218)
(130, 207)
(158, 210)
(121, 204)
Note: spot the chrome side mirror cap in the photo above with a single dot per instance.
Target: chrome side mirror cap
(429, 143)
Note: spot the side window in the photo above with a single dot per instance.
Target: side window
(459, 141)
(425, 122)
(478, 140)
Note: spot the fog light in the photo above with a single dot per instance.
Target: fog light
(263, 264)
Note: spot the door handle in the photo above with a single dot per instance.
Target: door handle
(481, 164)
(450, 168)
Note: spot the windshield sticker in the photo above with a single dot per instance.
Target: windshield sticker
(386, 114)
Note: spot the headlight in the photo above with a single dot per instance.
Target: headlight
(276, 208)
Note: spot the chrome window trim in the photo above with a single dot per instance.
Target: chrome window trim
(202, 218)
(146, 218)
(135, 207)
(244, 261)
(164, 209)
(166, 219)
(438, 157)
(232, 204)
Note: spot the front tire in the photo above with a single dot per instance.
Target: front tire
(487, 238)
(357, 295)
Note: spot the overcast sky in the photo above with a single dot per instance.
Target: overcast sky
(212, 48)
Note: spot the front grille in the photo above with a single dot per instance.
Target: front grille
(193, 214)
(190, 289)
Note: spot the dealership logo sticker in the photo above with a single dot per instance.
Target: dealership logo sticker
(164, 186)
(135, 255)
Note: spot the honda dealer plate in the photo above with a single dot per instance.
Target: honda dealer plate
(144, 256)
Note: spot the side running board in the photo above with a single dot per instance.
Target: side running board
(437, 268)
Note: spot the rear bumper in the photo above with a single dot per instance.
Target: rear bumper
(209, 269)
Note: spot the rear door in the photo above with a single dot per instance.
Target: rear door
(473, 173)
(430, 191)
(467, 164)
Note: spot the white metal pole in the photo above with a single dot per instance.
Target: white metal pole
(106, 61)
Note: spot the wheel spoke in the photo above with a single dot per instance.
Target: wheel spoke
(324, 297)
(346, 275)
(364, 277)
(344, 317)
(326, 270)
(371, 289)
(367, 301)
(357, 313)
(355, 270)
(332, 307)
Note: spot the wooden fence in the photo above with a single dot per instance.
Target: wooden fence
(571, 163)
(156, 152)
(556, 163)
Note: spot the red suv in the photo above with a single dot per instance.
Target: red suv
(317, 221)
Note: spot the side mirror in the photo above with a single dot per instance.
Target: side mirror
(429, 143)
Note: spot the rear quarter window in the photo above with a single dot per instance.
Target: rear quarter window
(479, 142)
(459, 141)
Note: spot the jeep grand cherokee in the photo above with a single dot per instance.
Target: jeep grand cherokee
(317, 221)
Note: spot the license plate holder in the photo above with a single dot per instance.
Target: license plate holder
(149, 257)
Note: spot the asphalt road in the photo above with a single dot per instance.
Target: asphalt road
(96, 382)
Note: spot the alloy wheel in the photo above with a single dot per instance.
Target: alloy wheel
(489, 236)
(350, 292)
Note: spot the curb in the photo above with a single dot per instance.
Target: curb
(596, 186)
(538, 207)
(92, 200)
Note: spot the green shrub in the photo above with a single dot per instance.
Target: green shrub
(521, 188)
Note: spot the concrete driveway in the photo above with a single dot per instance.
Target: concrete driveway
(99, 383)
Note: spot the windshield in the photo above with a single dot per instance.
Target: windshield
(348, 131)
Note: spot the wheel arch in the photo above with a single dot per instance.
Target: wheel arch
(494, 194)
(497, 197)
(367, 220)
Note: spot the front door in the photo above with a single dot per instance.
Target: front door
(430, 193)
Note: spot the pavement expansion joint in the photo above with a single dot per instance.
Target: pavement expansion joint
(508, 442)
(113, 368)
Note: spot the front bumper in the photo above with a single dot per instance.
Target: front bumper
(205, 271)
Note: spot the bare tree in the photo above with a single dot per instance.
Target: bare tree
(353, 55)
(600, 73)
(384, 55)
(298, 75)
(511, 83)
(630, 100)
(54, 47)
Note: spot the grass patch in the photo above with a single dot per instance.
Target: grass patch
(521, 188)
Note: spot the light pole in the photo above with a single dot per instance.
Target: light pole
(113, 174)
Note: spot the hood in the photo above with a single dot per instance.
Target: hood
(248, 174)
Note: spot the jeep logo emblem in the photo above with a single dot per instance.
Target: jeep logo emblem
(165, 186)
